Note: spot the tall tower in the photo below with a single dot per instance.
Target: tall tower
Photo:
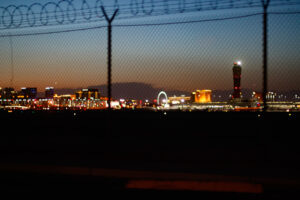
(237, 72)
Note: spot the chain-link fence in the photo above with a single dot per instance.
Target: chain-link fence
(174, 46)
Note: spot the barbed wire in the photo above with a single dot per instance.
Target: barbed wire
(82, 11)
(146, 24)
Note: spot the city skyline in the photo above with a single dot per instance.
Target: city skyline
(128, 91)
(181, 57)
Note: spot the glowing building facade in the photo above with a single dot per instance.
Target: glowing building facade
(87, 94)
(201, 96)
(179, 100)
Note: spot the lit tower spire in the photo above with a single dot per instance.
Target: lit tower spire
(237, 71)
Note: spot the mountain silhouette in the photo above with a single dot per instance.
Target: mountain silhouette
(142, 91)
(136, 90)
(127, 90)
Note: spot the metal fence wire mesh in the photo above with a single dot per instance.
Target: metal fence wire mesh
(178, 46)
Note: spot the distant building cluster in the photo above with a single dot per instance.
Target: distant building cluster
(25, 93)
(84, 99)
(26, 98)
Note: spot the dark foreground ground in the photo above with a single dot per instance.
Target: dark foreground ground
(239, 155)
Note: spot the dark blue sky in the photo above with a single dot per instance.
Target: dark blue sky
(183, 56)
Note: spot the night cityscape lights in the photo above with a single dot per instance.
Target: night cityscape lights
(91, 99)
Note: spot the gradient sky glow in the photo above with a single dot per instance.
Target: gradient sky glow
(183, 57)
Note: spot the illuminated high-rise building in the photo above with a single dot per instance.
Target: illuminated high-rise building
(87, 94)
(49, 92)
(8, 93)
(237, 72)
(201, 96)
(29, 93)
(271, 96)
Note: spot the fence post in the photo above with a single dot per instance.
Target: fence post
(109, 49)
(265, 4)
